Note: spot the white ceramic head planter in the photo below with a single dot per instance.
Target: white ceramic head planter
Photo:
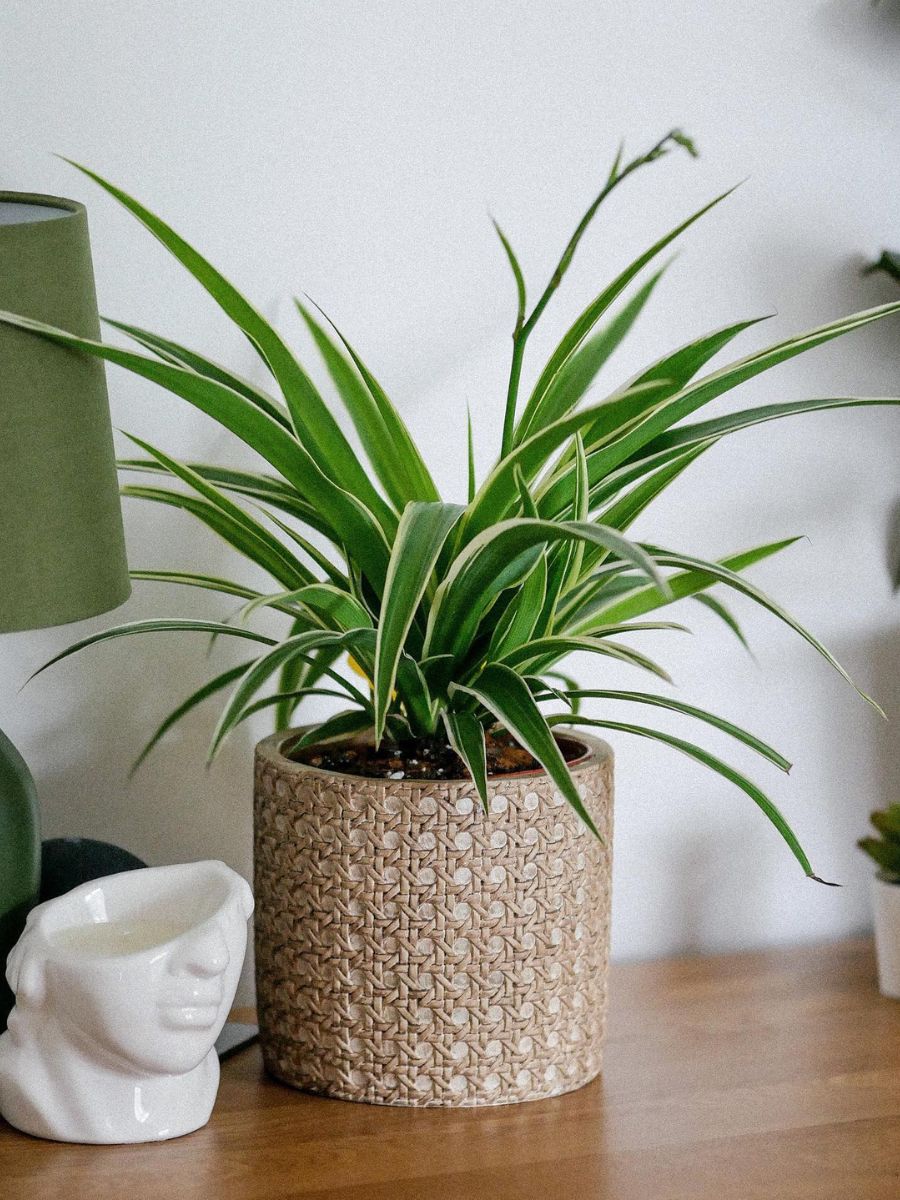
(122, 987)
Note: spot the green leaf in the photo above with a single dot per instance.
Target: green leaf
(338, 608)
(565, 564)
(626, 510)
(543, 691)
(233, 532)
(297, 646)
(203, 693)
(525, 325)
(421, 534)
(688, 710)
(732, 579)
(163, 625)
(544, 652)
(177, 355)
(618, 174)
(260, 487)
(350, 521)
(341, 725)
(490, 563)
(726, 616)
(885, 854)
(629, 507)
(421, 484)
(256, 542)
(466, 735)
(412, 688)
(526, 500)
(680, 366)
(374, 433)
(265, 488)
(576, 334)
(278, 698)
(569, 682)
(887, 822)
(210, 583)
(304, 672)
(702, 431)
(889, 263)
(557, 493)
(314, 424)
(721, 768)
(522, 613)
(579, 371)
(704, 390)
(507, 696)
(645, 599)
(338, 578)
(470, 457)
(623, 410)
(438, 672)
(422, 715)
(499, 490)
(517, 275)
(332, 606)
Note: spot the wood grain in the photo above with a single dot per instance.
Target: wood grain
(746, 1077)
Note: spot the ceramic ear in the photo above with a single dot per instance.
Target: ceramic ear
(25, 973)
(246, 898)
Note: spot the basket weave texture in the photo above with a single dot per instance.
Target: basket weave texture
(411, 950)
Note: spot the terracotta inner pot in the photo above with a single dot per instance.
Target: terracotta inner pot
(411, 950)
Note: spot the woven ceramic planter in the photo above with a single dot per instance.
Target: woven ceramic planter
(410, 950)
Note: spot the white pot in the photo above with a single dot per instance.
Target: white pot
(122, 987)
(886, 903)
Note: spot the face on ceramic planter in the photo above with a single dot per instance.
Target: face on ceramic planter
(138, 968)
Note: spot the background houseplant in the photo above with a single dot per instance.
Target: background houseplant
(460, 613)
(884, 850)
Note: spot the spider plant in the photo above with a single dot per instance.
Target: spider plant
(459, 615)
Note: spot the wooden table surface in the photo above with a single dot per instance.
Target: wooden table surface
(772, 1075)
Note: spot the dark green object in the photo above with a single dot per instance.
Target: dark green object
(889, 263)
(62, 548)
(20, 861)
(67, 862)
(885, 849)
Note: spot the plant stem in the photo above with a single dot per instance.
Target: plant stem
(512, 391)
(524, 327)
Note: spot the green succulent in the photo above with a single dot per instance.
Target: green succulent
(459, 614)
(885, 849)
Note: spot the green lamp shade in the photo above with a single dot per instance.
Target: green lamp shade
(62, 548)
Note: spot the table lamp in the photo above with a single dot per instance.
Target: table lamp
(62, 547)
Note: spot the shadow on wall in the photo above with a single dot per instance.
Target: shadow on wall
(701, 872)
(174, 809)
(893, 546)
(864, 28)
(99, 708)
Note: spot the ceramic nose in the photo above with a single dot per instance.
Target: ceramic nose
(205, 955)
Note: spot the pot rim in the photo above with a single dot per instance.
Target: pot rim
(270, 750)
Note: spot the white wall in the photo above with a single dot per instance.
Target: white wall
(352, 150)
